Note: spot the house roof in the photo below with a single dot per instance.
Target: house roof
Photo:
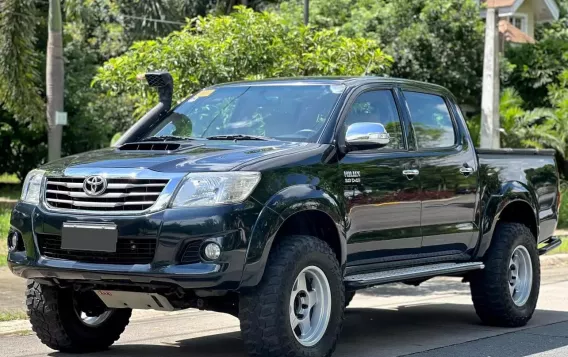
(545, 10)
(498, 3)
(514, 34)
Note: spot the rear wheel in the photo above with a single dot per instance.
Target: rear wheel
(297, 309)
(505, 293)
(63, 321)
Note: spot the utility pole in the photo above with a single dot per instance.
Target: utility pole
(490, 126)
(306, 12)
(54, 78)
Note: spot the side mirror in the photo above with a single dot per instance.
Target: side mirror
(363, 136)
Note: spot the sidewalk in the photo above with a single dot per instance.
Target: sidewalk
(12, 291)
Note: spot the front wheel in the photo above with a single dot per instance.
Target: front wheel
(505, 293)
(297, 309)
(71, 322)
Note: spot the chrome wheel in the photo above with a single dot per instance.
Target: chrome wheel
(310, 306)
(93, 321)
(520, 275)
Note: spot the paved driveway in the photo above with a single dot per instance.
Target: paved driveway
(435, 319)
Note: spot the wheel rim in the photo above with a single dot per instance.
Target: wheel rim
(520, 275)
(93, 321)
(310, 306)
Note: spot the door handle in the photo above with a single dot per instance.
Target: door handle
(466, 171)
(410, 173)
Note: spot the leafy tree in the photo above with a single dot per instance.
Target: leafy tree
(438, 41)
(243, 45)
(531, 68)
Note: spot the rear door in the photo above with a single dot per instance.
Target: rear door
(383, 205)
(448, 175)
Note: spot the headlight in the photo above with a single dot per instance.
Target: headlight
(32, 187)
(215, 188)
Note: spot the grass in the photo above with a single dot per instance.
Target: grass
(5, 178)
(9, 188)
(563, 249)
(13, 315)
(563, 216)
(9, 192)
(5, 211)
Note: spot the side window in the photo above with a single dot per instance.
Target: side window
(431, 120)
(378, 107)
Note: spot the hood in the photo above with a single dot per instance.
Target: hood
(198, 157)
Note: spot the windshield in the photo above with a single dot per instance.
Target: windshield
(282, 112)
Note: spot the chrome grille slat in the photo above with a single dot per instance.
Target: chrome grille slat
(122, 194)
(106, 195)
(100, 204)
(110, 185)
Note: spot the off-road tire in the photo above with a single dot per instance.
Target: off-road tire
(349, 295)
(264, 311)
(54, 320)
(490, 286)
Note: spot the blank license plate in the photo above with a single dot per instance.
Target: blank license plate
(89, 237)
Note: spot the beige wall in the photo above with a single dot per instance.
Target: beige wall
(528, 10)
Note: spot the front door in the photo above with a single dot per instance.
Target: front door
(448, 176)
(383, 205)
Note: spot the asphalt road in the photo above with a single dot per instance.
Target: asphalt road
(435, 319)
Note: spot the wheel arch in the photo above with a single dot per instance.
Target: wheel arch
(296, 210)
(516, 204)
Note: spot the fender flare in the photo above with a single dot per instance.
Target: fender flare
(276, 211)
(510, 193)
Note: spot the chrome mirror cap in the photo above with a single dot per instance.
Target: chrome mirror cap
(367, 135)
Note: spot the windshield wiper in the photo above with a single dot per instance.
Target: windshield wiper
(167, 138)
(238, 137)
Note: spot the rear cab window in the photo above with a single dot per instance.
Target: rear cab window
(431, 120)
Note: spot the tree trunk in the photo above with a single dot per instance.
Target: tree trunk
(54, 79)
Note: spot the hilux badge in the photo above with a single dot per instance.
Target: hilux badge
(94, 185)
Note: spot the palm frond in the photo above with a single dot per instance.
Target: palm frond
(19, 62)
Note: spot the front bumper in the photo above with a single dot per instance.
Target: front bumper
(171, 230)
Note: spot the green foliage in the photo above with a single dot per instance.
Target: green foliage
(520, 128)
(532, 68)
(563, 214)
(244, 45)
(438, 41)
(19, 74)
(22, 144)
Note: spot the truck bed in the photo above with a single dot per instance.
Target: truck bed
(533, 169)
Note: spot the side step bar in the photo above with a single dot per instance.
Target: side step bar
(402, 274)
(551, 243)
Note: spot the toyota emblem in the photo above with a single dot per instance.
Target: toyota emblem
(95, 185)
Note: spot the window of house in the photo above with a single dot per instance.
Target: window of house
(433, 126)
(378, 107)
(519, 22)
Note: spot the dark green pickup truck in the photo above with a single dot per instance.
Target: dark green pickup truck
(275, 201)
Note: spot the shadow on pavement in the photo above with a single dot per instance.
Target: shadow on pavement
(396, 332)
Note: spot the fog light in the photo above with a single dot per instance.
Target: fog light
(212, 251)
(13, 241)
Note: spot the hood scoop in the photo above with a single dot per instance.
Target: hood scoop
(149, 146)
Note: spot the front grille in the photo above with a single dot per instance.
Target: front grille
(128, 251)
(120, 195)
(191, 253)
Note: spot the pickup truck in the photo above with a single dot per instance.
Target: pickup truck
(275, 201)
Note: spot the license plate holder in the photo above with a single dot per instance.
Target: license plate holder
(94, 237)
